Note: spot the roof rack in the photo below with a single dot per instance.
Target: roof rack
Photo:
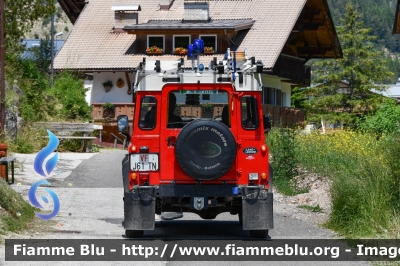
(227, 70)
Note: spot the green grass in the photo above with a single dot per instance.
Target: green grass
(311, 208)
(15, 212)
(364, 172)
(281, 143)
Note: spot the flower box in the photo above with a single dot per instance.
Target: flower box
(180, 53)
(154, 50)
(154, 53)
(208, 50)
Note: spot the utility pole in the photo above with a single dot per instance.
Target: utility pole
(2, 60)
(52, 49)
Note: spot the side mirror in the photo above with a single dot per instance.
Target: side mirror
(123, 123)
(267, 124)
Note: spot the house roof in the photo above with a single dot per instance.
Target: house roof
(392, 91)
(32, 43)
(93, 44)
(228, 24)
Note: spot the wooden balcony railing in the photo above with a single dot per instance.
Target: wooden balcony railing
(98, 113)
(284, 116)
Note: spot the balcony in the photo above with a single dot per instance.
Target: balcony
(109, 122)
(282, 116)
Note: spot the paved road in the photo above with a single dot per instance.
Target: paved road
(92, 207)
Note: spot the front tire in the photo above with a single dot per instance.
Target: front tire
(258, 233)
(134, 233)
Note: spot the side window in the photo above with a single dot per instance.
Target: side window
(210, 41)
(174, 120)
(148, 112)
(249, 112)
(155, 40)
(181, 41)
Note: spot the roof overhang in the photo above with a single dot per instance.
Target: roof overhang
(233, 24)
(314, 34)
(73, 8)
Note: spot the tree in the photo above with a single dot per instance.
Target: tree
(361, 68)
(19, 18)
(42, 55)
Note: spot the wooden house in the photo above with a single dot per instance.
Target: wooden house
(110, 38)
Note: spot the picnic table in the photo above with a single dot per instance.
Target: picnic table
(65, 131)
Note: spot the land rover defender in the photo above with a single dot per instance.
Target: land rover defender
(197, 144)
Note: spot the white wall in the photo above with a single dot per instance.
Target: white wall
(286, 88)
(115, 95)
(88, 84)
(270, 81)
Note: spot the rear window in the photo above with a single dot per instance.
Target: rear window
(187, 105)
(148, 112)
(249, 112)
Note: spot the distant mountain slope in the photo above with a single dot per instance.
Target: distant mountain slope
(43, 26)
(377, 15)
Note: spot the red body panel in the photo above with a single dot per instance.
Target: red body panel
(157, 140)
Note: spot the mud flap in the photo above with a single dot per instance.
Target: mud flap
(257, 208)
(125, 171)
(139, 210)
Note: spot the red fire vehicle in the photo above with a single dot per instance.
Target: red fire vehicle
(197, 145)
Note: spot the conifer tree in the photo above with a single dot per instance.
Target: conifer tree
(343, 87)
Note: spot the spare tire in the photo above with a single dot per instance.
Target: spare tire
(205, 149)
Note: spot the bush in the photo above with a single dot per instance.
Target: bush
(281, 144)
(34, 105)
(386, 120)
(70, 92)
(28, 141)
(365, 179)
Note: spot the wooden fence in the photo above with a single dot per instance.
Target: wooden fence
(284, 116)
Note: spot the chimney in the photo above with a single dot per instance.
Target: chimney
(165, 4)
(196, 11)
(125, 15)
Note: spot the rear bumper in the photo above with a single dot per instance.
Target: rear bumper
(256, 203)
(197, 190)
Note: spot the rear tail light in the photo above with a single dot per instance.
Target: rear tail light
(264, 180)
(132, 148)
(132, 180)
(132, 176)
(264, 147)
(263, 176)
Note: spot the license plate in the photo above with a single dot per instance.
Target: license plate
(144, 162)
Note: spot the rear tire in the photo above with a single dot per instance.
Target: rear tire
(258, 233)
(205, 149)
(134, 233)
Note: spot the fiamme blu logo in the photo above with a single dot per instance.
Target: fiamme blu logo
(44, 168)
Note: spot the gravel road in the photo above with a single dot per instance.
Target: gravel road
(90, 190)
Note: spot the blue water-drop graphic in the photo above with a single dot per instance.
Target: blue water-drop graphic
(42, 155)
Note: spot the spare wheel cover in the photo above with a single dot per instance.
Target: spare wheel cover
(205, 149)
